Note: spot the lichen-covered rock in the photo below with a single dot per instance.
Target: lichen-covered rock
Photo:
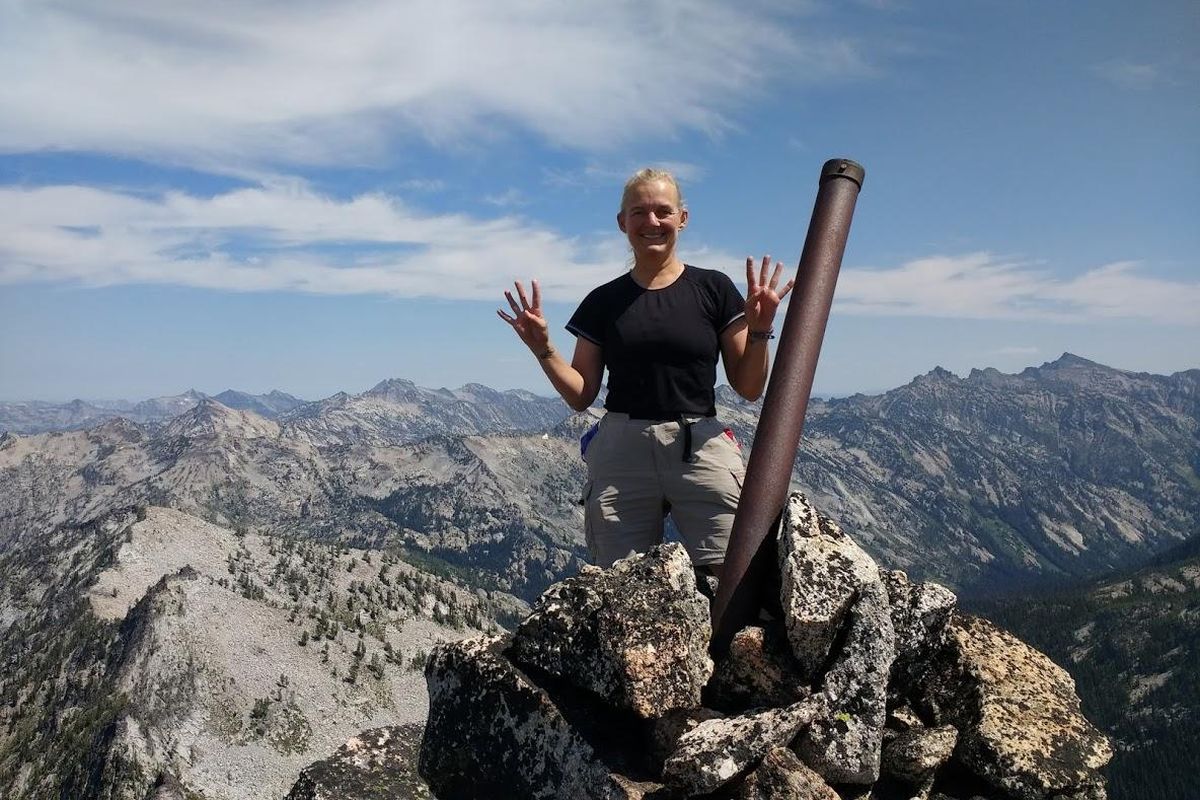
(666, 731)
(492, 732)
(783, 776)
(844, 745)
(636, 634)
(717, 751)
(920, 612)
(912, 756)
(758, 671)
(822, 571)
(377, 764)
(1018, 716)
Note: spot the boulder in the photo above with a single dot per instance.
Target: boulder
(844, 745)
(783, 776)
(374, 765)
(912, 756)
(758, 671)
(920, 612)
(1019, 720)
(822, 572)
(492, 732)
(718, 750)
(666, 731)
(636, 635)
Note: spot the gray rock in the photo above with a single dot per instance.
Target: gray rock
(822, 571)
(636, 634)
(492, 733)
(717, 751)
(913, 755)
(758, 671)
(783, 776)
(844, 746)
(377, 764)
(1020, 725)
(666, 731)
(919, 615)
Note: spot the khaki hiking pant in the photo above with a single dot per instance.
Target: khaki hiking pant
(637, 473)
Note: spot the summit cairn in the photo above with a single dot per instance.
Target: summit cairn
(866, 685)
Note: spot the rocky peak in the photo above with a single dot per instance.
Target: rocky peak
(210, 418)
(858, 683)
(395, 390)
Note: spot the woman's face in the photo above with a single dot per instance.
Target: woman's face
(651, 218)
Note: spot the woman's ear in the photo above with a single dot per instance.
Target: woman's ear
(621, 220)
(683, 219)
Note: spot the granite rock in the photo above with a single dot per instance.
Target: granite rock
(492, 732)
(844, 745)
(716, 751)
(822, 571)
(783, 776)
(636, 635)
(1018, 716)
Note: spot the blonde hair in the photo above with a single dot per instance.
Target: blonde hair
(649, 175)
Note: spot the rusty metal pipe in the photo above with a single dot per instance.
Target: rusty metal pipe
(777, 437)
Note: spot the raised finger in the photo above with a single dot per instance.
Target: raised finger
(749, 273)
(506, 317)
(512, 302)
(762, 276)
(776, 274)
(787, 287)
(521, 294)
(537, 294)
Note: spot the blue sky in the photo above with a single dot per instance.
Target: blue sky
(314, 197)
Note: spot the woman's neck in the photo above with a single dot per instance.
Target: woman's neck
(657, 274)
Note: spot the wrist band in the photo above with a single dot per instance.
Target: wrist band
(762, 336)
(549, 351)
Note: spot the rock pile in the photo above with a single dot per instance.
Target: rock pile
(864, 685)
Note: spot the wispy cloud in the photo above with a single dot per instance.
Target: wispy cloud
(1129, 74)
(286, 237)
(510, 198)
(981, 286)
(268, 82)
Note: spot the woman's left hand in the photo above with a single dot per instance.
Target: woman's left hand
(764, 296)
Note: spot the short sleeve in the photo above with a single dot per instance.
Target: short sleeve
(586, 322)
(730, 304)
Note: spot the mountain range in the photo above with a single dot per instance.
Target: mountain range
(992, 484)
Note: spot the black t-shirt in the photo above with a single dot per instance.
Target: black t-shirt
(660, 345)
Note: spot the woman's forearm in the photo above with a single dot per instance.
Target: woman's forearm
(750, 376)
(568, 381)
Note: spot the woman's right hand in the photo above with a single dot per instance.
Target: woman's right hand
(526, 318)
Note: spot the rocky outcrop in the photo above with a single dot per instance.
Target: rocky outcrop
(377, 764)
(635, 635)
(868, 686)
(1016, 712)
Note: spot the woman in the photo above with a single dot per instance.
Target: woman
(659, 330)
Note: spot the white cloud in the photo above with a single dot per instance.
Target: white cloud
(286, 237)
(980, 286)
(306, 82)
(1128, 74)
